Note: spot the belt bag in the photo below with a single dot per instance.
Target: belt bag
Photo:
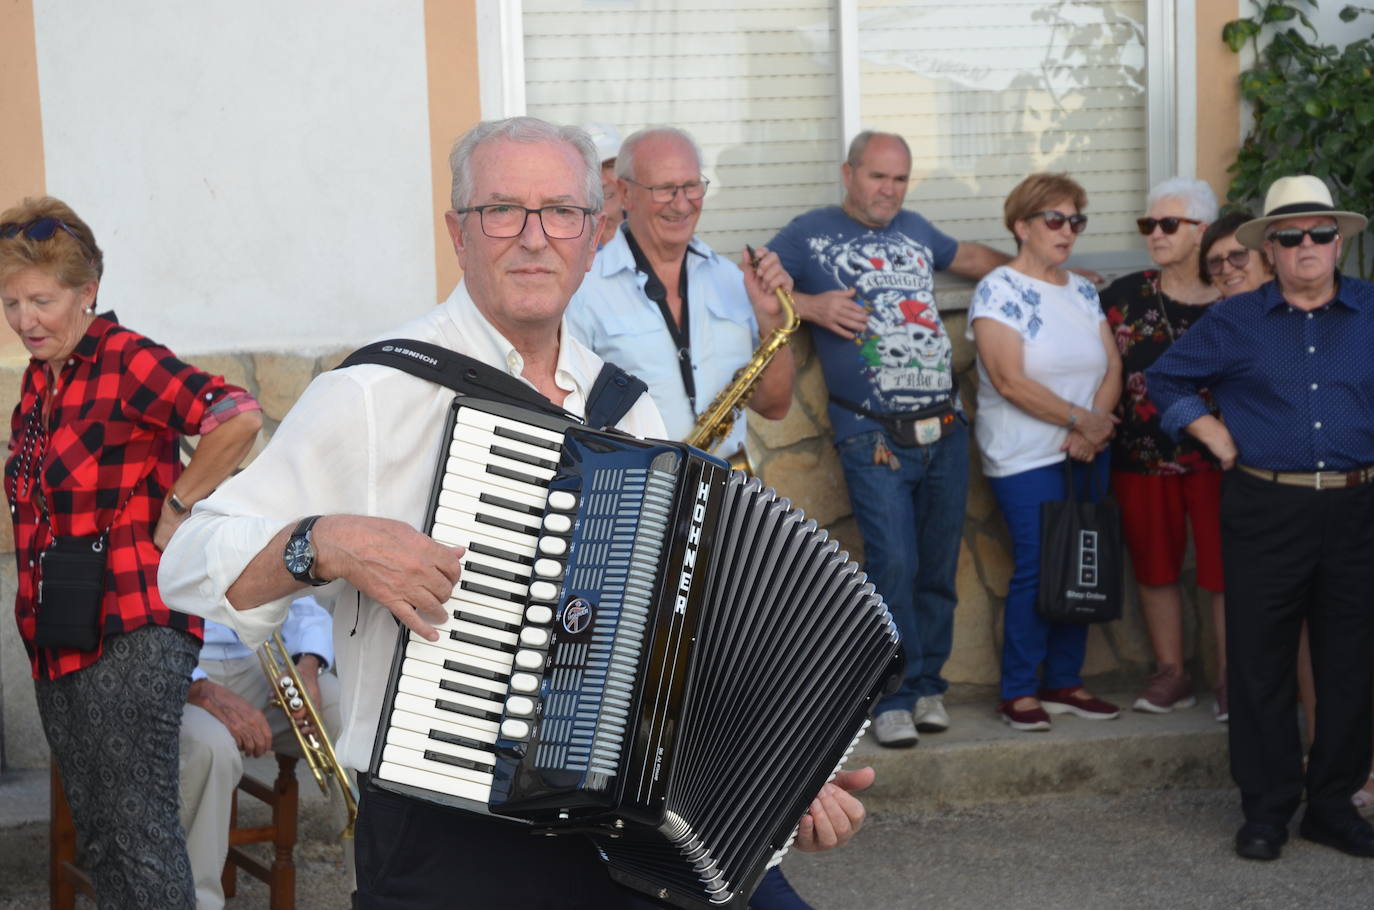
(71, 590)
(918, 428)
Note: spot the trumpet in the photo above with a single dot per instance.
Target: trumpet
(289, 694)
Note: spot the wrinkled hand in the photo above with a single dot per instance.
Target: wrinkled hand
(1078, 447)
(1095, 427)
(308, 669)
(834, 310)
(835, 814)
(763, 280)
(167, 523)
(405, 571)
(245, 723)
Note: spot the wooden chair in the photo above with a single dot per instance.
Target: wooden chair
(66, 878)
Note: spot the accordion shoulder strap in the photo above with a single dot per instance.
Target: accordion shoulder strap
(612, 395)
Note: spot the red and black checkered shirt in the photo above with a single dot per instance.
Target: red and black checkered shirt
(104, 459)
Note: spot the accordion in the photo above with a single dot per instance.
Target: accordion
(645, 648)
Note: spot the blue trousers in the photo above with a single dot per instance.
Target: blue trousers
(1037, 654)
(912, 521)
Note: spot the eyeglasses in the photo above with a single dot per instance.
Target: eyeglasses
(1167, 225)
(1239, 259)
(1291, 237)
(39, 229)
(692, 190)
(501, 221)
(1054, 220)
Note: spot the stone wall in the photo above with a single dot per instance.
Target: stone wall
(794, 455)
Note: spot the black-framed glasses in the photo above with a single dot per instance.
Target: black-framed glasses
(1168, 225)
(502, 220)
(692, 190)
(1291, 237)
(39, 229)
(1054, 220)
(1238, 259)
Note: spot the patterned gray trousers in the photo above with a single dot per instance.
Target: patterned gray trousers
(113, 730)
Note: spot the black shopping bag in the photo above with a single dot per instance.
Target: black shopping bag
(1082, 575)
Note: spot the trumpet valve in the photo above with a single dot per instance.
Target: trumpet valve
(295, 703)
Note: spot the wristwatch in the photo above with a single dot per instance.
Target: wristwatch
(300, 554)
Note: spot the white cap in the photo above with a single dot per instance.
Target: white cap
(606, 138)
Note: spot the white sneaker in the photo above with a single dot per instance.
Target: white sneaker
(895, 730)
(930, 714)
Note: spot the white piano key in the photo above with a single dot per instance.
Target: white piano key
(422, 722)
(471, 417)
(468, 505)
(485, 458)
(487, 438)
(562, 500)
(485, 633)
(426, 780)
(461, 724)
(420, 740)
(466, 601)
(475, 467)
(516, 542)
(415, 758)
(460, 650)
(421, 669)
(419, 649)
(426, 689)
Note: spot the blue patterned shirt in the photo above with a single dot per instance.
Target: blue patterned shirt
(1297, 387)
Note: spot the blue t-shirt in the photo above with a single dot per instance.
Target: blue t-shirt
(902, 361)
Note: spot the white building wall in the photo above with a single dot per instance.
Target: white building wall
(257, 173)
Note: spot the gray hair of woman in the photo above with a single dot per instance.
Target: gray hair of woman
(523, 129)
(1196, 195)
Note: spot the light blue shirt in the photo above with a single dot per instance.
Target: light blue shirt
(611, 314)
(308, 630)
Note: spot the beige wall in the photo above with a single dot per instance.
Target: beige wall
(454, 106)
(1218, 95)
(21, 153)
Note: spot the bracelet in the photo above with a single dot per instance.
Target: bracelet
(1073, 419)
(176, 505)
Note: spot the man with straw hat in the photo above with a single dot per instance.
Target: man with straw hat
(1290, 366)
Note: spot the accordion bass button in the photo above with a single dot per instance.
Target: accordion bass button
(534, 638)
(553, 546)
(515, 729)
(543, 590)
(556, 523)
(539, 614)
(524, 682)
(529, 660)
(548, 568)
(520, 705)
(562, 500)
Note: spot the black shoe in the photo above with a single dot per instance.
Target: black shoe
(1256, 840)
(1354, 836)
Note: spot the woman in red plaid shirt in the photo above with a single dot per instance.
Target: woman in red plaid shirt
(93, 466)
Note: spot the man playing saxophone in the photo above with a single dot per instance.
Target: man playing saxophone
(662, 304)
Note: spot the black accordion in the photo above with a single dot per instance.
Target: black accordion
(645, 648)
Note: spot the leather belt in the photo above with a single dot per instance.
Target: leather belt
(1319, 480)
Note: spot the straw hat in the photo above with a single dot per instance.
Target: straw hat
(1293, 197)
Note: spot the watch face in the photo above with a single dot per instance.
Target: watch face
(300, 556)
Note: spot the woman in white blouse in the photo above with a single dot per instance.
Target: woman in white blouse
(1049, 375)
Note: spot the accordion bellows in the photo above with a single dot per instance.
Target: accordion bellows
(646, 648)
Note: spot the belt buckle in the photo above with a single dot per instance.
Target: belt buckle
(928, 430)
(1318, 484)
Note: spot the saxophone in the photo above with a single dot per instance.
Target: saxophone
(715, 423)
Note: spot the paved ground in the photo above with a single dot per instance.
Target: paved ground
(1168, 849)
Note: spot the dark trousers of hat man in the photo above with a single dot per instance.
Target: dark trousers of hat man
(1290, 366)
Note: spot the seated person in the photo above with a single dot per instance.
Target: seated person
(230, 713)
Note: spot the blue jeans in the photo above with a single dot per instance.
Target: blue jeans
(1027, 640)
(912, 522)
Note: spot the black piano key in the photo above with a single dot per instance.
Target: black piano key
(506, 524)
(521, 457)
(492, 499)
(477, 587)
(457, 762)
(527, 439)
(486, 549)
(449, 685)
(479, 568)
(454, 708)
(477, 620)
(518, 476)
(469, 638)
(480, 672)
(453, 739)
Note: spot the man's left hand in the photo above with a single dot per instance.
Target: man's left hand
(835, 814)
(167, 523)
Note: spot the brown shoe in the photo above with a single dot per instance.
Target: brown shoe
(1169, 689)
(1076, 700)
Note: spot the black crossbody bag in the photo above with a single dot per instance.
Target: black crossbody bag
(71, 592)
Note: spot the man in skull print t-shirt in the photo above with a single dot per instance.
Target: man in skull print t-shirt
(865, 277)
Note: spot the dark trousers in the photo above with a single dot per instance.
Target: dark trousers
(1294, 554)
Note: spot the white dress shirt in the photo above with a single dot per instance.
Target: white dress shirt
(364, 440)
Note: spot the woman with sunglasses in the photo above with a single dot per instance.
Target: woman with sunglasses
(1049, 376)
(95, 492)
(1225, 264)
(1163, 486)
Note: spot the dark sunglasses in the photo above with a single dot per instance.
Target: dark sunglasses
(1239, 259)
(1291, 237)
(1054, 220)
(39, 229)
(1167, 225)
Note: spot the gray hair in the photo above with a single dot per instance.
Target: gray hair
(523, 129)
(625, 159)
(859, 145)
(1201, 202)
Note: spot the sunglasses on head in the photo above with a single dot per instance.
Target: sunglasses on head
(1054, 220)
(39, 229)
(1239, 259)
(1167, 225)
(1291, 237)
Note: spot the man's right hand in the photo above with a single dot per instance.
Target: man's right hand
(833, 310)
(405, 571)
(245, 723)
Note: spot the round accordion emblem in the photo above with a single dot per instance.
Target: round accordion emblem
(577, 615)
